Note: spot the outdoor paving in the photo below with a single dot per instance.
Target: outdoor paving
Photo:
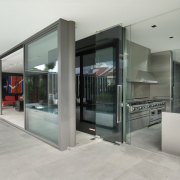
(24, 157)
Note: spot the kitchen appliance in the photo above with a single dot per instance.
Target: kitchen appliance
(156, 109)
(145, 113)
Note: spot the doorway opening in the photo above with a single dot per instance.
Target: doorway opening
(12, 88)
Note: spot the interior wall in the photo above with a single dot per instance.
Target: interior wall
(176, 88)
(176, 78)
(160, 67)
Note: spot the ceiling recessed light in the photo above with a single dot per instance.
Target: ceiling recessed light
(171, 37)
(154, 26)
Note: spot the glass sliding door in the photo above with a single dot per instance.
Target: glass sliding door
(41, 86)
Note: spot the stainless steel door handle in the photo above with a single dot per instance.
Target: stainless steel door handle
(119, 103)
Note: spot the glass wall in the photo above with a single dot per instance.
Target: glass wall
(41, 86)
(151, 78)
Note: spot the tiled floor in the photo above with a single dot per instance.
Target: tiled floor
(148, 138)
(25, 157)
(15, 117)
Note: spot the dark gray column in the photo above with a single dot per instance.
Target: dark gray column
(66, 84)
(0, 87)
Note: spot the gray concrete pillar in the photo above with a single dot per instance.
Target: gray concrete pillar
(66, 84)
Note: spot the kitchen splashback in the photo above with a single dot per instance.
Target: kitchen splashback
(140, 90)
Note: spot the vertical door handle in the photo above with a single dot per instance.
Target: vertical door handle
(119, 104)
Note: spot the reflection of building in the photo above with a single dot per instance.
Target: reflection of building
(99, 77)
(106, 72)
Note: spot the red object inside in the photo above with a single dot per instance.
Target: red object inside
(9, 100)
(19, 97)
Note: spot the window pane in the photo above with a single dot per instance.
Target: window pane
(41, 71)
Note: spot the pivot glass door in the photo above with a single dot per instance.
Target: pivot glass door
(98, 85)
(108, 64)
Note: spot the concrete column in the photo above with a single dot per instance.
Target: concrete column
(66, 84)
(0, 87)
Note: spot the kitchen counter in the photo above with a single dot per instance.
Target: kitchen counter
(170, 133)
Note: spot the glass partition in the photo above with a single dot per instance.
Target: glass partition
(151, 78)
(41, 86)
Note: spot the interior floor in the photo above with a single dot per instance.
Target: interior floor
(25, 157)
(11, 115)
(148, 138)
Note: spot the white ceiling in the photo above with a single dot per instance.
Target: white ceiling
(20, 19)
(157, 39)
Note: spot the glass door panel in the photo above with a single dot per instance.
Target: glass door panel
(108, 67)
(78, 91)
(85, 92)
(88, 91)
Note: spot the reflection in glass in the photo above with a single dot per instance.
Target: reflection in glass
(85, 93)
(77, 71)
(89, 104)
(105, 81)
(105, 92)
(41, 71)
(108, 68)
